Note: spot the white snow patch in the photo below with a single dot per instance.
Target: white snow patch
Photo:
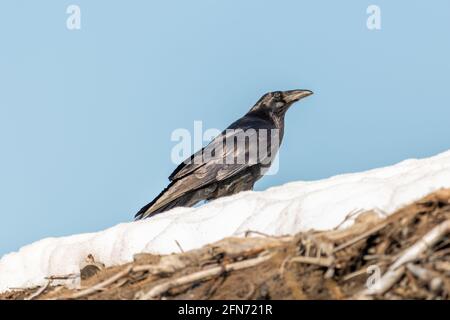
(287, 209)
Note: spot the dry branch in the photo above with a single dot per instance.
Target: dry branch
(320, 261)
(397, 269)
(202, 275)
(39, 291)
(360, 237)
(102, 284)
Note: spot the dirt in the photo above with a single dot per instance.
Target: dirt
(336, 264)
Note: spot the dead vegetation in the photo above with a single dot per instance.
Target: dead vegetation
(404, 256)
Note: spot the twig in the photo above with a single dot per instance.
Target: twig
(40, 291)
(349, 215)
(421, 273)
(378, 257)
(17, 289)
(202, 275)
(396, 270)
(360, 271)
(101, 285)
(360, 237)
(354, 274)
(179, 246)
(320, 261)
(251, 291)
(282, 268)
(278, 238)
(249, 232)
(212, 290)
(423, 244)
(63, 277)
(433, 279)
(439, 254)
(154, 269)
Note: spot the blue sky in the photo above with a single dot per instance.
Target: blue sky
(86, 115)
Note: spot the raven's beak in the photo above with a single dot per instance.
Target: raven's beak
(292, 96)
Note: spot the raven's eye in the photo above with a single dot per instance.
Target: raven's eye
(277, 96)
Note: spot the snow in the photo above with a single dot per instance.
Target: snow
(287, 209)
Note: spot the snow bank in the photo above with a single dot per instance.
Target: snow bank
(286, 209)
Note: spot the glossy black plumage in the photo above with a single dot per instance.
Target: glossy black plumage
(202, 178)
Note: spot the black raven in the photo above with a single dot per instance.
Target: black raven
(233, 161)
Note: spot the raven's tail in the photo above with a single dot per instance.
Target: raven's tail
(186, 200)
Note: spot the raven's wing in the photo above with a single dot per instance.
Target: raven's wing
(195, 161)
(193, 176)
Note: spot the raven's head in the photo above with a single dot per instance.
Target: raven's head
(278, 102)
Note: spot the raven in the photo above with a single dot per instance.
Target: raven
(233, 161)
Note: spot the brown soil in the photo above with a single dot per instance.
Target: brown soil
(335, 264)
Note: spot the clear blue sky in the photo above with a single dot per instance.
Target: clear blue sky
(86, 115)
